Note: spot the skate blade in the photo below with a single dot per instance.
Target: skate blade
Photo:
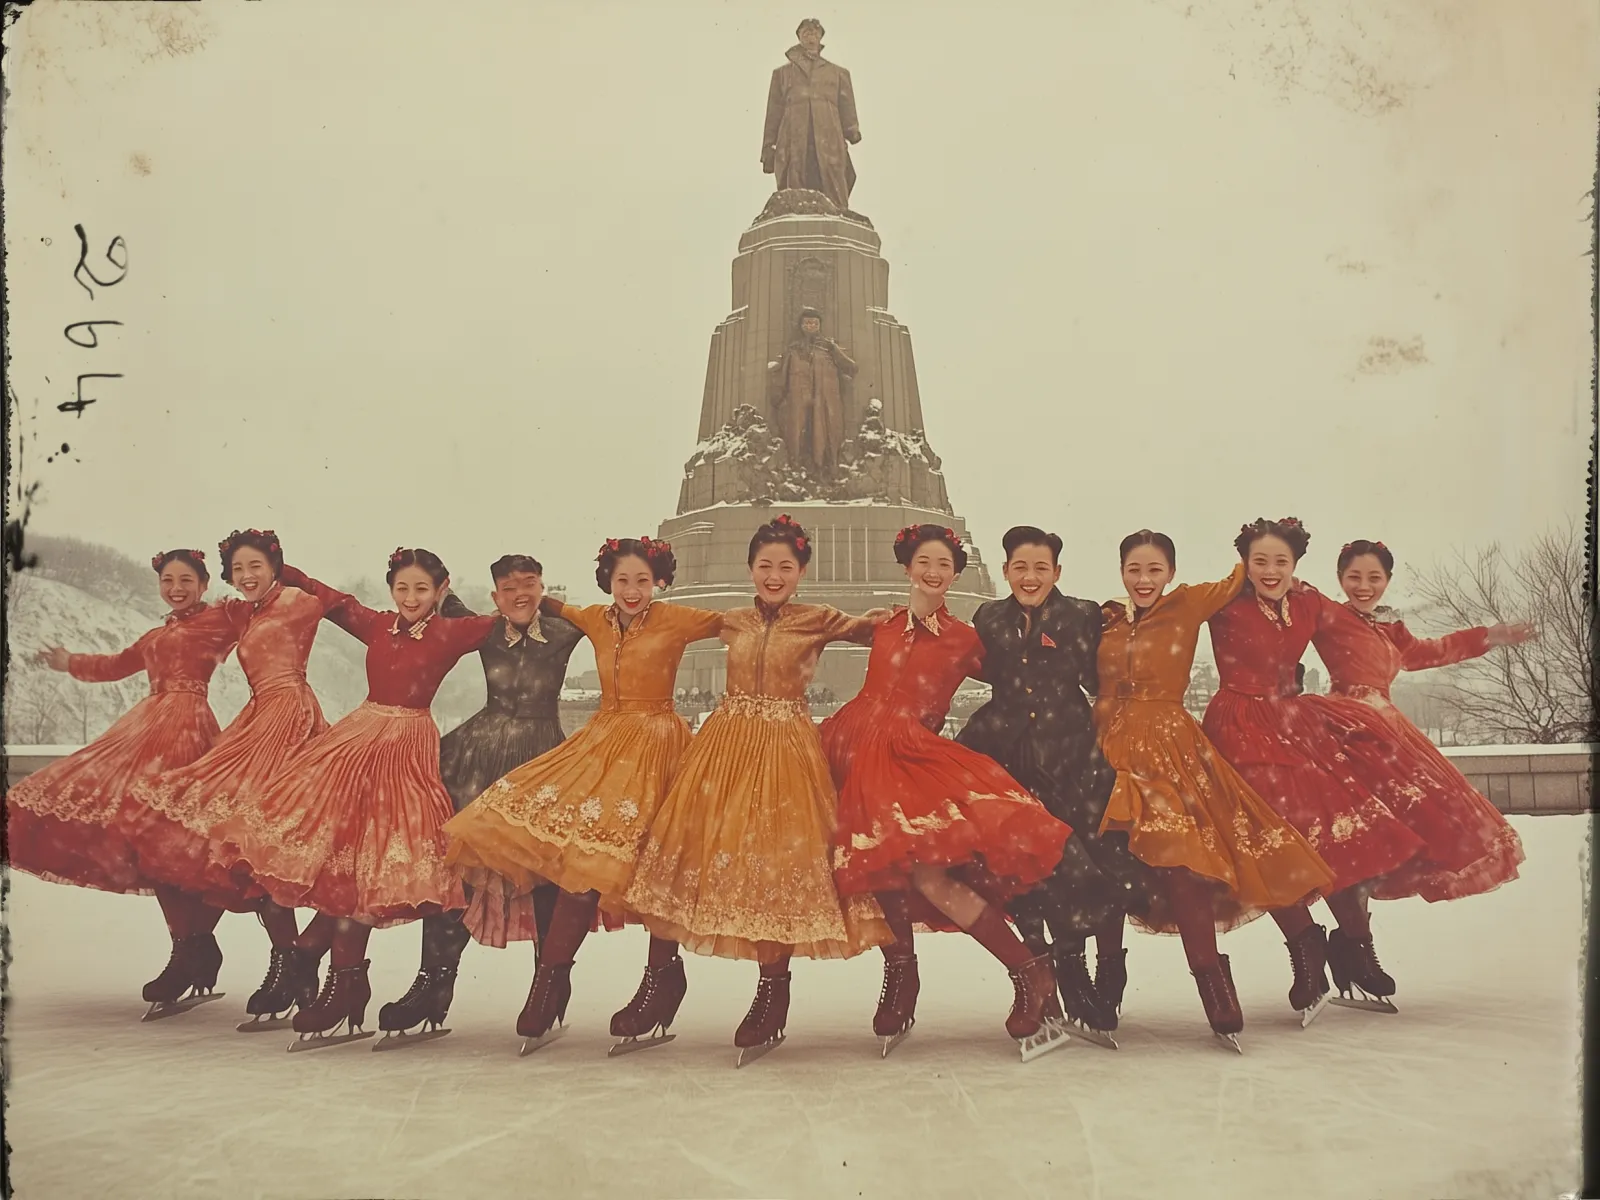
(321, 1041)
(529, 1045)
(894, 1039)
(1365, 1003)
(749, 1054)
(632, 1045)
(1230, 1040)
(1052, 1035)
(1098, 1036)
(264, 1022)
(1315, 1011)
(161, 1009)
(397, 1039)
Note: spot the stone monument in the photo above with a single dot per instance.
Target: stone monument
(811, 404)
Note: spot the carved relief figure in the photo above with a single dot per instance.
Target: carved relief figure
(805, 389)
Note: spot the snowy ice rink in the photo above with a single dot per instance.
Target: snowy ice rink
(1470, 1092)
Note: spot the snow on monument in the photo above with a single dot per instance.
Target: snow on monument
(811, 405)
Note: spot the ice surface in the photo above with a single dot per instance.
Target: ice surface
(1470, 1092)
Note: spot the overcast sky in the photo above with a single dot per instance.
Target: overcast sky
(398, 276)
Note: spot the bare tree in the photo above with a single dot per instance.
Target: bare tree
(1542, 691)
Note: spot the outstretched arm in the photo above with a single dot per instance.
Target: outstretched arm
(1421, 654)
(98, 668)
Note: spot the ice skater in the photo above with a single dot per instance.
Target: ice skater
(920, 814)
(1223, 854)
(1039, 657)
(524, 666)
(61, 822)
(577, 815)
(353, 827)
(170, 820)
(736, 862)
(1389, 816)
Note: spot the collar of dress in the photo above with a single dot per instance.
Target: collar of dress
(183, 614)
(533, 632)
(416, 631)
(929, 622)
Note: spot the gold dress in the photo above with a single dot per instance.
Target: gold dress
(737, 862)
(576, 815)
(1181, 803)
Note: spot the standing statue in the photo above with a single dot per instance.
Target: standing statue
(806, 394)
(811, 115)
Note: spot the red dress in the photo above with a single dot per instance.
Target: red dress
(1329, 765)
(168, 819)
(59, 821)
(1475, 850)
(908, 796)
(353, 826)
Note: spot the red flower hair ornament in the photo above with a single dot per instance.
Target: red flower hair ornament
(155, 559)
(227, 544)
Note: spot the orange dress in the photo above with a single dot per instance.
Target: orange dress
(577, 815)
(1180, 802)
(60, 822)
(168, 818)
(737, 862)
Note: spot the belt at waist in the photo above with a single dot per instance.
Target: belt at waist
(193, 686)
(1133, 689)
(544, 712)
(636, 706)
(277, 682)
(771, 708)
(394, 710)
(1263, 691)
(1359, 691)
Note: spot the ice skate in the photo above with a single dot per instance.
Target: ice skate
(1309, 994)
(761, 1031)
(1111, 978)
(426, 1003)
(897, 1002)
(1087, 1014)
(342, 1004)
(188, 980)
(1221, 1002)
(643, 1023)
(1036, 1020)
(1361, 980)
(291, 983)
(543, 1017)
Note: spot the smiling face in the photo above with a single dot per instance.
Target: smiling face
(1270, 567)
(633, 584)
(932, 570)
(776, 573)
(1032, 572)
(1146, 574)
(1364, 581)
(414, 592)
(251, 572)
(180, 585)
(517, 595)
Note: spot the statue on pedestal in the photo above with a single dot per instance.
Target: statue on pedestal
(805, 394)
(811, 121)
